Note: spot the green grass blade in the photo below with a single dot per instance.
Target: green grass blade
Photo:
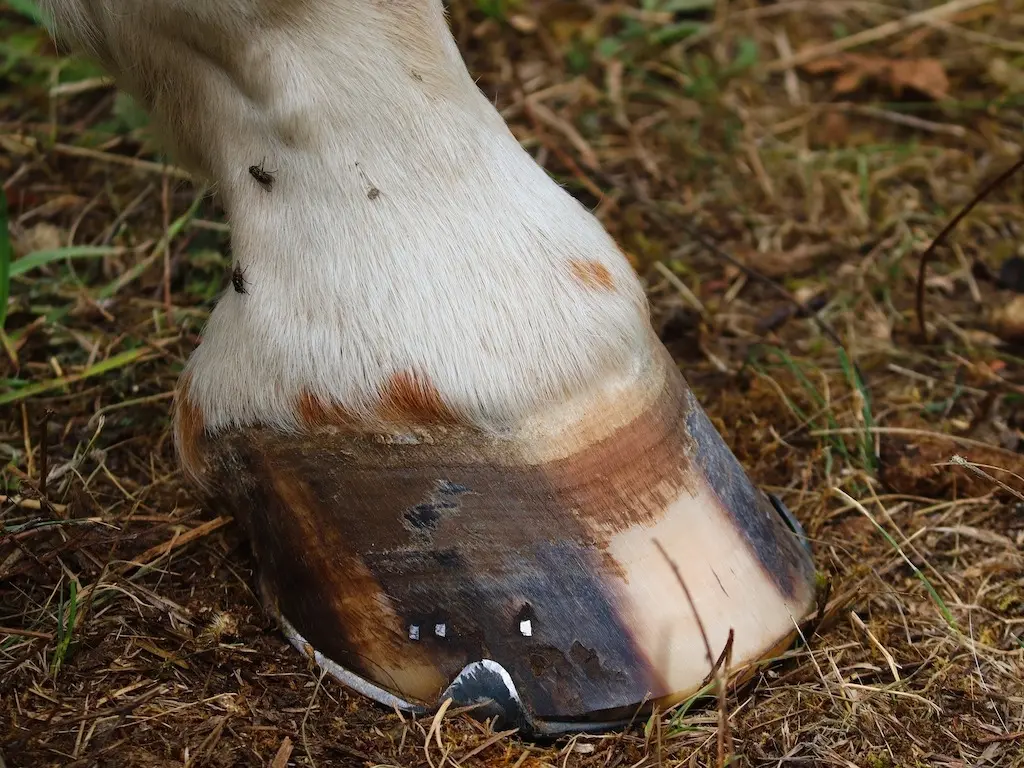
(136, 355)
(37, 259)
(866, 444)
(5, 259)
(932, 592)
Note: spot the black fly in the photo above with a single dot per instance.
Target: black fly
(238, 279)
(264, 177)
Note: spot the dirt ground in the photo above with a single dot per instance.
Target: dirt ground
(820, 144)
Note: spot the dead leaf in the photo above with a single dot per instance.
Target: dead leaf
(925, 75)
(826, 64)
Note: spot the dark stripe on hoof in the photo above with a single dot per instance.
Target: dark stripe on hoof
(776, 546)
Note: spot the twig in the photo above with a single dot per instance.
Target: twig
(494, 739)
(35, 504)
(284, 752)
(724, 733)
(898, 118)
(971, 466)
(689, 599)
(131, 162)
(305, 717)
(153, 554)
(44, 448)
(873, 35)
(685, 292)
(724, 739)
(561, 154)
(940, 238)
(893, 666)
(166, 243)
(1001, 737)
(912, 432)
(17, 632)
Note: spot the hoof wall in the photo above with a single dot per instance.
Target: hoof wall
(526, 576)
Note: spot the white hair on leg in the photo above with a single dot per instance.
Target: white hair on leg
(402, 234)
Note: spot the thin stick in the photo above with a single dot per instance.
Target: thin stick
(44, 447)
(724, 748)
(724, 733)
(305, 717)
(685, 292)
(18, 632)
(689, 599)
(35, 504)
(979, 469)
(874, 34)
(940, 238)
(151, 555)
(284, 752)
(108, 157)
(911, 432)
(166, 241)
(1001, 737)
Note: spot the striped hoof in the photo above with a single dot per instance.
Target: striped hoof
(522, 573)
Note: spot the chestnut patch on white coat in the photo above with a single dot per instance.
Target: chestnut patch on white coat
(189, 431)
(410, 398)
(317, 413)
(593, 274)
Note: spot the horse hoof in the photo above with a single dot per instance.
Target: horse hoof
(563, 577)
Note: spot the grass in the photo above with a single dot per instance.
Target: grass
(67, 613)
(5, 260)
(129, 631)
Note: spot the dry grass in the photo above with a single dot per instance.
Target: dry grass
(129, 632)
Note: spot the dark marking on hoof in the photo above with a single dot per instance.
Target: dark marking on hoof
(754, 515)
(426, 515)
(448, 558)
